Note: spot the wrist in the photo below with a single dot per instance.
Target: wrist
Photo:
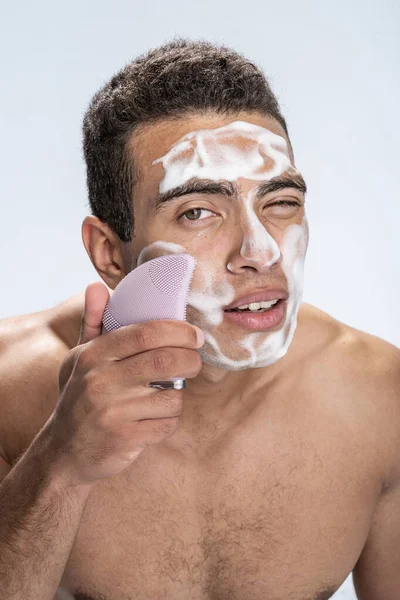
(56, 464)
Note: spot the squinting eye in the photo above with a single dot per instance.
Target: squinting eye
(192, 210)
(283, 208)
(284, 202)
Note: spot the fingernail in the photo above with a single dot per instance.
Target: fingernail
(200, 336)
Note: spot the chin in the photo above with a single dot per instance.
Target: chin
(242, 361)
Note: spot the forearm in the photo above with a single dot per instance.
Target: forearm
(40, 512)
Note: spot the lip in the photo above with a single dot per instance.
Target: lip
(259, 296)
(269, 320)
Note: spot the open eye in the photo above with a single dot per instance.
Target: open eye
(196, 210)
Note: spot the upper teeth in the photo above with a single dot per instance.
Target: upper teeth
(258, 305)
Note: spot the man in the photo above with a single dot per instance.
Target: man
(275, 473)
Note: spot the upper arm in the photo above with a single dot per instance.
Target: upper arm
(376, 575)
(30, 358)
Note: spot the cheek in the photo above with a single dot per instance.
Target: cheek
(278, 235)
(302, 241)
(294, 248)
(207, 246)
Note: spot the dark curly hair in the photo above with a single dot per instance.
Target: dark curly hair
(179, 78)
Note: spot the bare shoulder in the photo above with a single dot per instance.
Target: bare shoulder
(362, 374)
(342, 342)
(346, 350)
(31, 353)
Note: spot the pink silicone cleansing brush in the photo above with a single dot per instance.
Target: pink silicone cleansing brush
(157, 289)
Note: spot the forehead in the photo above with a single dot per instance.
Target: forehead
(150, 142)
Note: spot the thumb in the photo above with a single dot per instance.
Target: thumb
(96, 298)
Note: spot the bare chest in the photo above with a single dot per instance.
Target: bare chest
(270, 511)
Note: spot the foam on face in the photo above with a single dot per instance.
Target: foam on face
(215, 154)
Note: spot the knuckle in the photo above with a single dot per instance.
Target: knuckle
(93, 383)
(125, 432)
(83, 360)
(109, 424)
(163, 361)
(146, 336)
(106, 416)
(134, 366)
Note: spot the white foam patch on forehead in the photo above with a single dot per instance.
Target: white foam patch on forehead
(215, 154)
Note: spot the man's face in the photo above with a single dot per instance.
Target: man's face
(211, 186)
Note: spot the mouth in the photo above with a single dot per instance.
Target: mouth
(261, 318)
(258, 300)
(255, 307)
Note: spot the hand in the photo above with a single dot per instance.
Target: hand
(106, 414)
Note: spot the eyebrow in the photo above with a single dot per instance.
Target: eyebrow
(227, 188)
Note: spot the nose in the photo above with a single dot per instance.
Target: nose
(254, 246)
(259, 254)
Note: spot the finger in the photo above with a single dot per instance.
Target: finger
(96, 298)
(136, 338)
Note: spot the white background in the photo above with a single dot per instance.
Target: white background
(334, 68)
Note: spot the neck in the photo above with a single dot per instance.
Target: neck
(218, 385)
